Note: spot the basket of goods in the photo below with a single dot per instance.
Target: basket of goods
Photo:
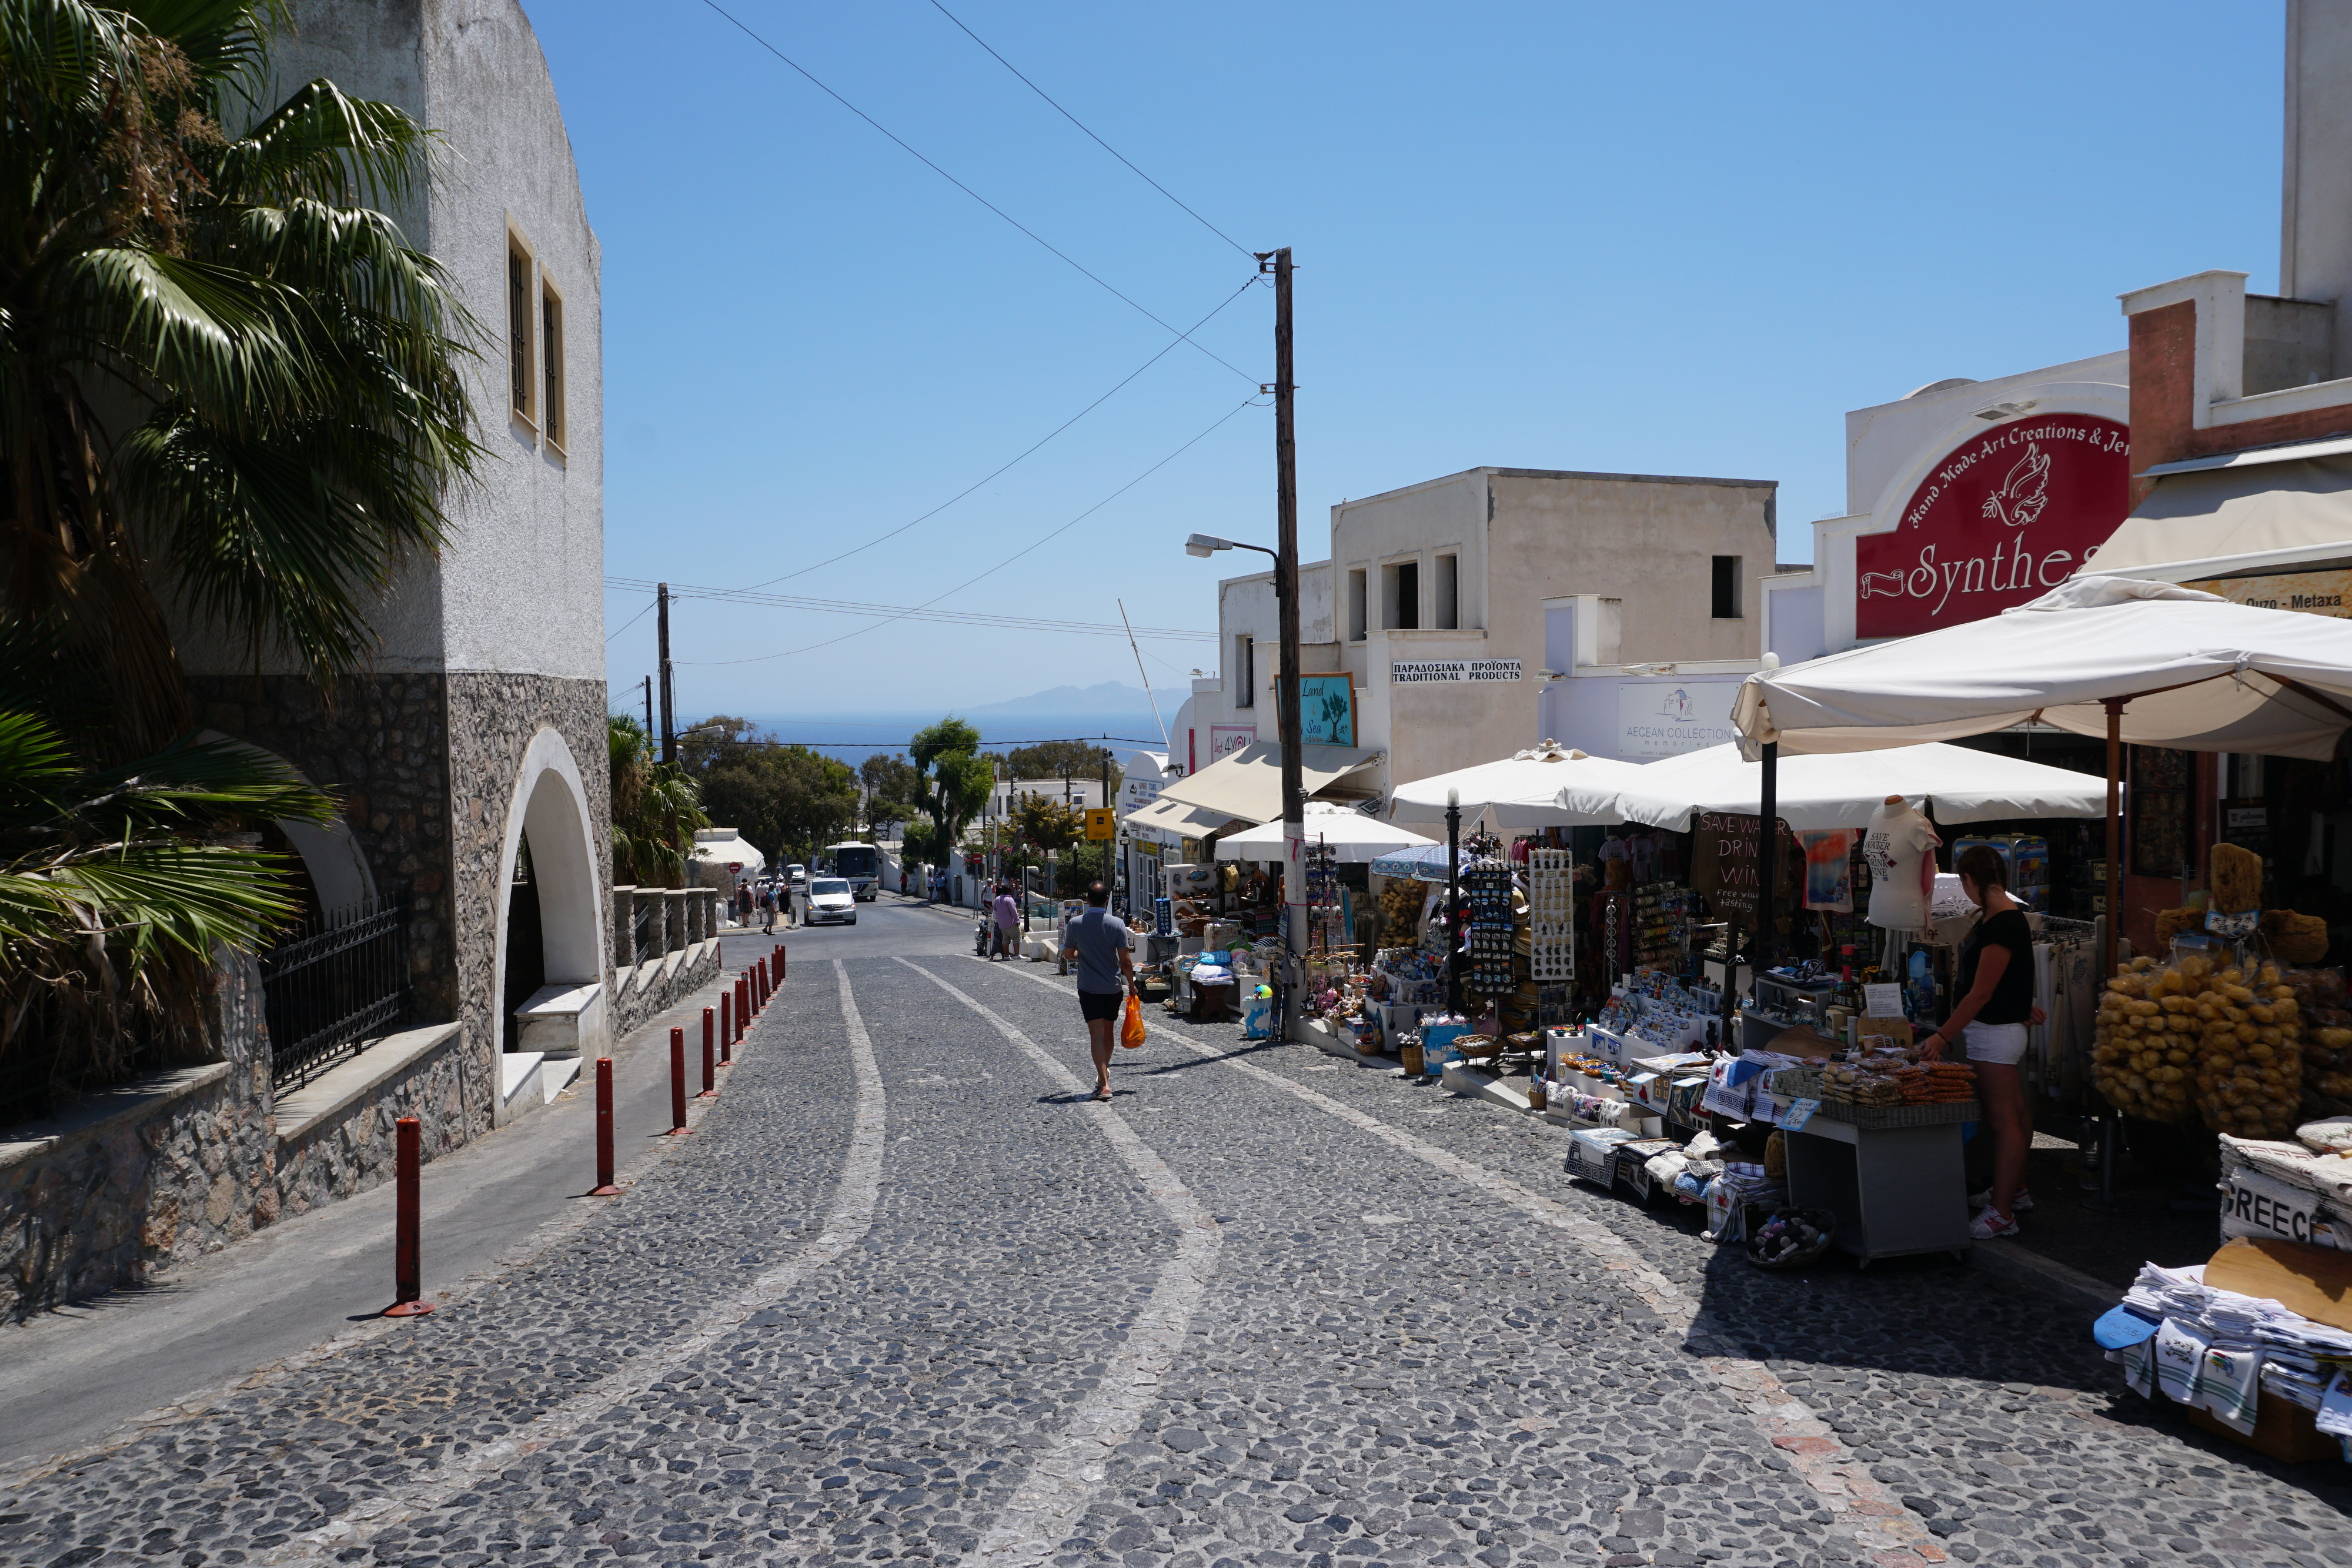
(1480, 1047)
(1790, 1238)
(2201, 1030)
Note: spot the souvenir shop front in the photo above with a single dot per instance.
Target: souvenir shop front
(1602, 957)
(2229, 1017)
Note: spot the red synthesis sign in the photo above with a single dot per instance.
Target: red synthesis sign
(2003, 519)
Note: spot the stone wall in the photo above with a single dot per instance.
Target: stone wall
(492, 719)
(380, 743)
(135, 1179)
(352, 1150)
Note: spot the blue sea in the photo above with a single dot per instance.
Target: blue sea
(853, 738)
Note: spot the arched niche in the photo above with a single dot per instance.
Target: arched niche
(338, 868)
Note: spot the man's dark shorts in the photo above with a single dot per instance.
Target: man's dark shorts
(1099, 1005)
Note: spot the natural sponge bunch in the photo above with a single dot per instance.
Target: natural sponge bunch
(2205, 1028)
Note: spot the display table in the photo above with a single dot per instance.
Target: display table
(1895, 1190)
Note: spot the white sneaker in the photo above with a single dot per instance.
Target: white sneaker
(1990, 1226)
(2019, 1204)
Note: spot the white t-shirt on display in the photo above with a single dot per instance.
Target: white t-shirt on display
(1898, 843)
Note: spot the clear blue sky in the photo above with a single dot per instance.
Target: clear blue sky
(1652, 238)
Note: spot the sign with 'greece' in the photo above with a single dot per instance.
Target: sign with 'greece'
(1421, 672)
(1672, 718)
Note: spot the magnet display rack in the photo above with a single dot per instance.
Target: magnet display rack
(1551, 916)
(1486, 889)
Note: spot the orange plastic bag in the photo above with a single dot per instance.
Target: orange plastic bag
(1131, 1028)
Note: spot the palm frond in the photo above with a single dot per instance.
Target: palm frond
(220, 340)
(64, 52)
(324, 145)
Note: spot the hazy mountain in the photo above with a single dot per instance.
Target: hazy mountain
(1109, 697)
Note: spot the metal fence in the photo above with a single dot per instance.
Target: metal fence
(332, 985)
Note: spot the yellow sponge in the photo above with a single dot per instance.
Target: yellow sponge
(2235, 876)
(2295, 938)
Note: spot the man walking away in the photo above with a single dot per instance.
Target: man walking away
(1008, 921)
(767, 911)
(1097, 941)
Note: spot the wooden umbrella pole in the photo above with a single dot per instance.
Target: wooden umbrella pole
(2114, 706)
(2112, 1122)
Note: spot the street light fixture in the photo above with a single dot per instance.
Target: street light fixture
(1206, 545)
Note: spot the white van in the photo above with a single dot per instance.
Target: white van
(831, 902)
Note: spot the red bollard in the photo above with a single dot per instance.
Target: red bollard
(710, 1080)
(742, 1005)
(781, 957)
(766, 990)
(726, 1046)
(726, 1015)
(408, 1291)
(605, 1187)
(677, 1127)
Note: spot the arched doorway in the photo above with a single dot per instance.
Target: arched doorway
(525, 945)
(551, 924)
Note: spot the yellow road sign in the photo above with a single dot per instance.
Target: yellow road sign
(1101, 825)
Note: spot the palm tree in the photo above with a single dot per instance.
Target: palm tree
(656, 809)
(225, 379)
(119, 884)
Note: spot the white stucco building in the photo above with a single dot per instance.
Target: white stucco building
(1478, 612)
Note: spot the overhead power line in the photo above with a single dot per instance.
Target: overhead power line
(968, 191)
(1036, 544)
(955, 617)
(887, 745)
(960, 494)
(1097, 140)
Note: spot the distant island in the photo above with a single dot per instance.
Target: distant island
(1109, 697)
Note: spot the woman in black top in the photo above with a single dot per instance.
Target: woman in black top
(1995, 1006)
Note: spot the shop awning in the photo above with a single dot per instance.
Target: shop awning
(1353, 837)
(1248, 784)
(1522, 790)
(2233, 516)
(2188, 670)
(1170, 822)
(1843, 790)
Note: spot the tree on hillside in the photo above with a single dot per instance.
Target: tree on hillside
(894, 790)
(786, 800)
(207, 325)
(957, 777)
(1046, 823)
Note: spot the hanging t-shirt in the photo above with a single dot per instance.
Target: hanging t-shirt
(1897, 842)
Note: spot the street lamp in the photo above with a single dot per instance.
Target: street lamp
(1294, 786)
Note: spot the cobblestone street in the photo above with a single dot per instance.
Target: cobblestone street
(905, 1294)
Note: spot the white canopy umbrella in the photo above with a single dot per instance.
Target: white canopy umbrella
(1354, 838)
(2149, 663)
(1522, 790)
(2182, 668)
(1841, 791)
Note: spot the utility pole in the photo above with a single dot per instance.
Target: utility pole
(1285, 586)
(668, 696)
(649, 707)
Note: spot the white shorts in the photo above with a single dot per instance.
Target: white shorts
(1997, 1042)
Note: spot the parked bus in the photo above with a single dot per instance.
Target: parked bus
(860, 863)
